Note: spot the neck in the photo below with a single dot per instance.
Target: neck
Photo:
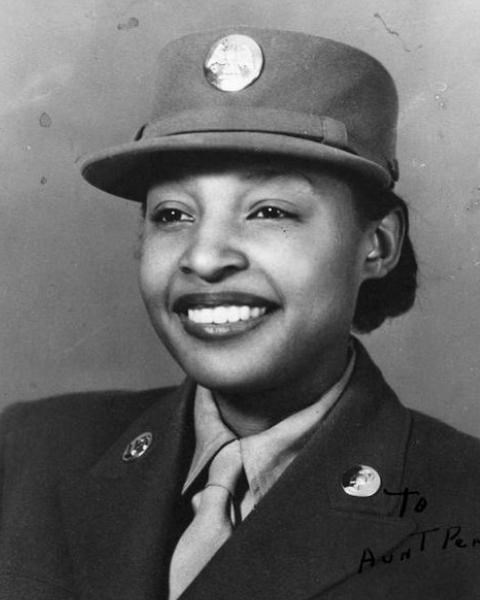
(252, 411)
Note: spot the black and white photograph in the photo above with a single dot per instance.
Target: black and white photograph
(239, 293)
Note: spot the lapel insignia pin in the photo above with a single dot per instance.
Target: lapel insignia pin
(233, 63)
(361, 481)
(137, 447)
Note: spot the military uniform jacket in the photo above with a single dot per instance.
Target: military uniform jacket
(79, 522)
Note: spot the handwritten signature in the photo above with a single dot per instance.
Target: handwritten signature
(437, 538)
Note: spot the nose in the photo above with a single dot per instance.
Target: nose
(213, 254)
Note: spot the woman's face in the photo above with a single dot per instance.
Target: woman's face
(250, 273)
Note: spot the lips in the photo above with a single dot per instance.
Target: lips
(222, 314)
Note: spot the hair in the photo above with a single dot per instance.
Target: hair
(393, 294)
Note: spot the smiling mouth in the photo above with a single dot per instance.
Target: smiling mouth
(223, 315)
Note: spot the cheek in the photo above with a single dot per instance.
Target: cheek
(318, 263)
(155, 268)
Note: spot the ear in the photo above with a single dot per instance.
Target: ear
(384, 245)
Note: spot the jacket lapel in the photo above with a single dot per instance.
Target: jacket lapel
(119, 516)
(307, 534)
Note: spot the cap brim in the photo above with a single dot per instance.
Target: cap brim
(128, 170)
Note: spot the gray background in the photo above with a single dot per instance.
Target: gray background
(76, 76)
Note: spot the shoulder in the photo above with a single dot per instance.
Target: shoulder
(441, 445)
(442, 465)
(441, 436)
(71, 430)
(435, 452)
(110, 408)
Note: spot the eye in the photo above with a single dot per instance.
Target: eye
(166, 216)
(270, 212)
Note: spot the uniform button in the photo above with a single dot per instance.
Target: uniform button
(138, 446)
(361, 481)
(233, 63)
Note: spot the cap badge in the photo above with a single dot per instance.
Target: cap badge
(137, 447)
(233, 63)
(361, 481)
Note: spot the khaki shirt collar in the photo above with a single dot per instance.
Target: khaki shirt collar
(265, 455)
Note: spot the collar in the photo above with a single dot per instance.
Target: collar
(265, 455)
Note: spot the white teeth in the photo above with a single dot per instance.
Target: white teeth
(233, 314)
(206, 314)
(244, 313)
(225, 314)
(220, 314)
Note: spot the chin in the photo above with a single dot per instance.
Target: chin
(226, 378)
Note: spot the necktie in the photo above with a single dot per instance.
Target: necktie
(212, 524)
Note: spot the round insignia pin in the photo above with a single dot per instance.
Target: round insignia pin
(233, 63)
(361, 481)
(137, 447)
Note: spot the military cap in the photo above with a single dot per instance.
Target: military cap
(260, 91)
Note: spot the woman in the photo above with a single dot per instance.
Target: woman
(284, 467)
